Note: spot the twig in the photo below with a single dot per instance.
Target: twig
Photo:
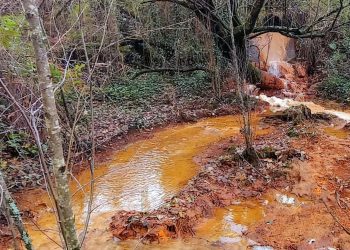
(336, 218)
(162, 70)
(44, 233)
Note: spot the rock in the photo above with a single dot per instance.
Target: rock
(300, 70)
(325, 117)
(289, 77)
(271, 46)
(285, 200)
(262, 248)
(268, 81)
(300, 98)
(289, 94)
(311, 241)
(286, 70)
(296, 114)
(347, 126)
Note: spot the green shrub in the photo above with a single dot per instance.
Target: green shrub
(254, 74)
(10, 30)
(336, 87)
(16, 143)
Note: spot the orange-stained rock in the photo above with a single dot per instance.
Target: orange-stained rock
(300, 70)
(270, 47)
(286, 69)
(269, 81)
(289, 77)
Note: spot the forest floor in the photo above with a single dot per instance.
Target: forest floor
(116, 126)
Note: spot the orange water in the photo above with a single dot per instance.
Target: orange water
(337, 132)
(228, 224)
(139, 177)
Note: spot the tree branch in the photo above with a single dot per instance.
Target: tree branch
(253, 16)
(163, 70)
(320, 19)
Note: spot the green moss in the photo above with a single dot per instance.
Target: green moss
(293, 132)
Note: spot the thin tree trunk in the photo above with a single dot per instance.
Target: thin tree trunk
(240, 76)
(64, 208)
(13, 215)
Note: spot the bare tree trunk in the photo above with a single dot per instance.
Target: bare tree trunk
(8, 205)
(64, 208)
(240, 76)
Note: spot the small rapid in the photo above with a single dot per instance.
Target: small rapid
(279, 104)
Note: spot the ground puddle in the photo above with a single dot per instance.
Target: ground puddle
(228, 225)
(139, 177)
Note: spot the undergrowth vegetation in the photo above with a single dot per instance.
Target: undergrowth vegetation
(16, 143)
(337, 85)
(154, 87)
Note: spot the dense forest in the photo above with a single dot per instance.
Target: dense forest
(175, 124)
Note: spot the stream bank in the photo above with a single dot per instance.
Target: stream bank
(224, 182)
(188, 211)
(118, 126)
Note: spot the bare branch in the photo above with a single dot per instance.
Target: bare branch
(163, 70)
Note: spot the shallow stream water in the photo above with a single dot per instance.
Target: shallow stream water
(140, 177)
(143, 174)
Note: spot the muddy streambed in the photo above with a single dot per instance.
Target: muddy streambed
(139, 177)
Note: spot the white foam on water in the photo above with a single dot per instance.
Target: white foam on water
(279, 104)
(262, 248)
(274, 68)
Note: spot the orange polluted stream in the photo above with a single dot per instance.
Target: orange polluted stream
(139, 177)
